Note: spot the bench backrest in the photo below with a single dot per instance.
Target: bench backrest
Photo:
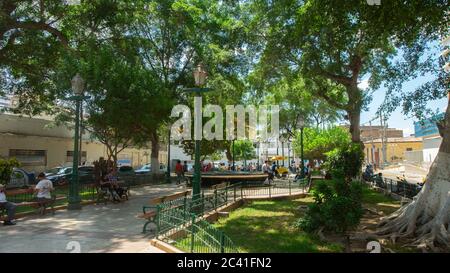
(176, 196)
(159, 200)
(19, 191)
(156, 201)
(220, 186)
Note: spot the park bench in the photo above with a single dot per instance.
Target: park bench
(43, 204)
(150, 211)
(103, 196)
(220, 186)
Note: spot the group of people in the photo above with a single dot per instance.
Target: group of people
(270, 170)
(109, 183)
(43, 195)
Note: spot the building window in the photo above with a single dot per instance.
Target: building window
(30, 157)
(69, 156)
(409, 149)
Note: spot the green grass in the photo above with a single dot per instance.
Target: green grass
(268, 226)
(379, 201)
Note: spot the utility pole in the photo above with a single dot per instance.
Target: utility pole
(383, 139)
(372, 148)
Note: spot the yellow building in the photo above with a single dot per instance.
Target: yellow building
(395, 149)
(39, 146)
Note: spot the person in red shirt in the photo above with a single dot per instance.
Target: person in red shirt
(179, 171)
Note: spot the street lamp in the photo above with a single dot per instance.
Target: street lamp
(168, 159)
(200, 76)
(74, 194)
(289, 154)
(283, 139)
(301, 125)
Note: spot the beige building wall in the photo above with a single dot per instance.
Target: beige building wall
(395, 149)
(24, 133)
(56, 150)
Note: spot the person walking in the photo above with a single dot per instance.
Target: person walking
(8, 206)
(179, 171)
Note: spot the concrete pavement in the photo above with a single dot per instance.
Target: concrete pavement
(96, 228)
(413, 174)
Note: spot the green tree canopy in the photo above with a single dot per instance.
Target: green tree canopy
(243, 150)
(318, 142)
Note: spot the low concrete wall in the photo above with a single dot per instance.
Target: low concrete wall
(168, 248)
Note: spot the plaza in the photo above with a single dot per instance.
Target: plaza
(182, 126)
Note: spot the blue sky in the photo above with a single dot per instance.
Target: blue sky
(398, 119)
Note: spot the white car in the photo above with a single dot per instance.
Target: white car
(148, 168)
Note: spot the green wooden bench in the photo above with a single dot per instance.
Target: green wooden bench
(149, 212)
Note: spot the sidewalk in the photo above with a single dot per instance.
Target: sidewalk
(97, 228)
(412, 173)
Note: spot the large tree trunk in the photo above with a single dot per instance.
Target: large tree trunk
(228, 153)
(354, 112)
(155, 153)
(427, 218)
(355, 118)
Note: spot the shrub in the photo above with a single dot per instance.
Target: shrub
(6, 169)
(337, 207)
(345, 162)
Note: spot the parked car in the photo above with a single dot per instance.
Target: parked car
(85, 175)
(53, 171)
(147, 168)
(20, 179)
(144, 169)
(126, 170)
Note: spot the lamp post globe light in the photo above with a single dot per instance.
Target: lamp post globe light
(200, 76)
(301, 125)
(74, 195)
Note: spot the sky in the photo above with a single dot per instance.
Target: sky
(397, 119)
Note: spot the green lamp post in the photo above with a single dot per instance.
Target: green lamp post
(301, 125)
(168, 159)
(200, 76)
(234, 158)
(74, 194)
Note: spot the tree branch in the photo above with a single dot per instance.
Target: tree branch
(40, 26)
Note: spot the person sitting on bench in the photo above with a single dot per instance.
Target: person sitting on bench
(112, 186)
(8, 206)
(43, 192)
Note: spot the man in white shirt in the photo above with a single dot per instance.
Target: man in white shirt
(8, 206)
(44, 192)
(44, 188)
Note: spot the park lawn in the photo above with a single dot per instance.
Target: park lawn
(378, 201)
(268, 226)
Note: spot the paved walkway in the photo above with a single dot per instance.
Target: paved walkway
(412, 173)
(97, 228)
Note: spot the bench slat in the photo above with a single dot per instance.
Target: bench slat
(147, 215)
